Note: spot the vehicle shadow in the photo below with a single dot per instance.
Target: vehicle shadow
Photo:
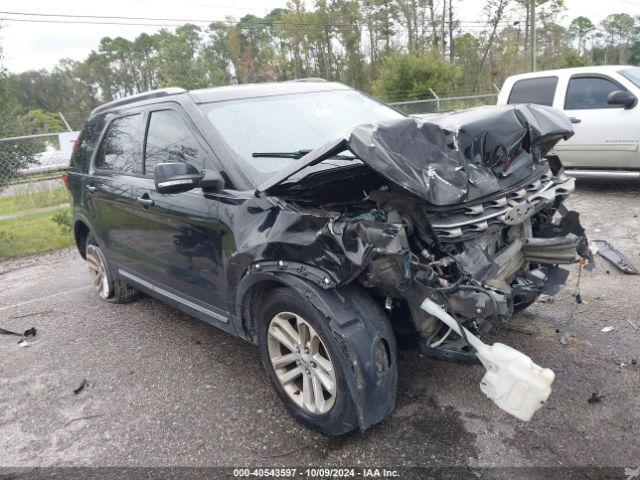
(617, 186)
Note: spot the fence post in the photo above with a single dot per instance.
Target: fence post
(437, 99)
(64, 120)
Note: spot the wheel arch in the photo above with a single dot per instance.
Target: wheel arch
(359, 325)
(81, 231)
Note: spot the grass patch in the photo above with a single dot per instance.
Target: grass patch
(34, 232)
(27, 200)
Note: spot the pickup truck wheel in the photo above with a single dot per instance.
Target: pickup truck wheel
(300, 357)
(108, 287)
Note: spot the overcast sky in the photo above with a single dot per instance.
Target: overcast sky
(40, 45)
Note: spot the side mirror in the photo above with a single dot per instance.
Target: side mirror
(623, 98)
(176, 177)
(212, 181)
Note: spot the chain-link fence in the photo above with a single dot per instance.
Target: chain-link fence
(34, 203)
(31, 158)
(448, 101)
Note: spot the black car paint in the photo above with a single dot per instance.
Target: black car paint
(213, 254)
(201, 252)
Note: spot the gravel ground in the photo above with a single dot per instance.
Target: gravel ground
(169, 390)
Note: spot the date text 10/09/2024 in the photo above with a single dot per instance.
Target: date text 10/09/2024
(316, 472)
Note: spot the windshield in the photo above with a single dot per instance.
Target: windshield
(631, 74)
(290, 123)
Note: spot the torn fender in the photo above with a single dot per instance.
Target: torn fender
(361, 328)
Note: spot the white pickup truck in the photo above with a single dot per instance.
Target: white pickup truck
(602, 103)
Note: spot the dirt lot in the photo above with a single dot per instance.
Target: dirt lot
(169, 390)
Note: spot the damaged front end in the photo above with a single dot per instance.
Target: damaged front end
(452, 224)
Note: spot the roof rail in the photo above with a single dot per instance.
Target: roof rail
(308, 79)
(162, 92)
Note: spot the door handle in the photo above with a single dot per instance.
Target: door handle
(91, 188)
(574, 120)
(146, 202)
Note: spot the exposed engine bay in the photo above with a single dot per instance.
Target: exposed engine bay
(457, 218)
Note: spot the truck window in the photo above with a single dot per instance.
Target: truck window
(539, 90)
(589, 92)
(121, 147)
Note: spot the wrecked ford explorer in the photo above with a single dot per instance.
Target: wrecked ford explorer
(326, 228)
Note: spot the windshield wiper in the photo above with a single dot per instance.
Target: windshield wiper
(296, 155)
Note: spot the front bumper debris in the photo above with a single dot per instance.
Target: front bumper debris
(513, 381)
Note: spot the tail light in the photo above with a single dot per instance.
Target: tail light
(65, 178)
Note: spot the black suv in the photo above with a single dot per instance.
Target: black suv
(313, 221)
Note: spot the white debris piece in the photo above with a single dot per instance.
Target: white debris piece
(513, 381)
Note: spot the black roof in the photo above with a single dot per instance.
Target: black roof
(231, 92)
(250, 90)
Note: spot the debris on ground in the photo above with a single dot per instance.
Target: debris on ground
(615, 257)
(634, 361)
(632, 324)
(564, 340)
(595, 398)
(31, 332)
(544, 298)
(83, 385)
(44, 312)
(87, 417)
(606, 329)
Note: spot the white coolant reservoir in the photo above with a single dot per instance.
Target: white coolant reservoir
(513, 381)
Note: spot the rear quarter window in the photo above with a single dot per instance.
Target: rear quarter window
(121, 147)
(539, 90)
(86, 144)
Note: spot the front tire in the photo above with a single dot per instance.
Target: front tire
(108, 287)
(302, 360)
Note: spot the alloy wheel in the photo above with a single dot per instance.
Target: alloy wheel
(302, 363)
(98, 271)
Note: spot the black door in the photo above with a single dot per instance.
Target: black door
(179, 232)
(109, 189)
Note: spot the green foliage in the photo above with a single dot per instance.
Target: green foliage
(398, 49)
(62, 218)
(572, 59)
(32, 233)
(27, 198)
(14, 155)
(410, 76)
(39, 121)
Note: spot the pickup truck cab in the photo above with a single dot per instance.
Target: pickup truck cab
(602, 104)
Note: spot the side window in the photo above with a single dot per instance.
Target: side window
(589, 92)
(169, 140)
(86, 144)
(534, 90)
(121, 147)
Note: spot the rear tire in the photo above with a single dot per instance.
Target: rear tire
(307, 374)
(109, 288)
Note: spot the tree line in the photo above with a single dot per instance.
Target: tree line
(394, 49)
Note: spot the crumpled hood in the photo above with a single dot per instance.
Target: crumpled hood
(450, 158)
(461, 156)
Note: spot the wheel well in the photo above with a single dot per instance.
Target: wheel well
(251, 303)
(80, 233)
